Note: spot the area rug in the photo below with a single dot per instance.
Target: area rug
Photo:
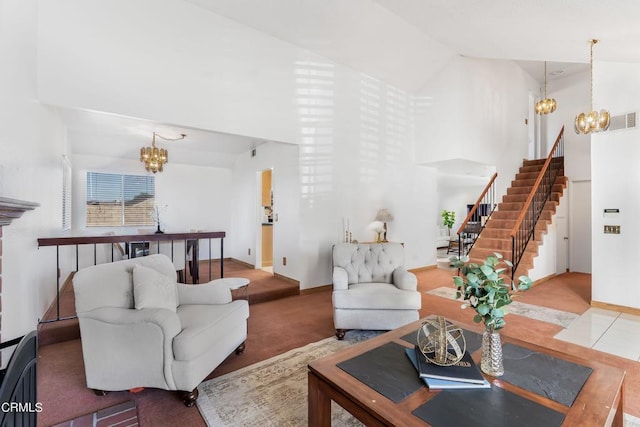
(272, 392)
(544, 314)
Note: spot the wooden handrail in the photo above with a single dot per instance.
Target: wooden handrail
(475, 206)
(81, 240)
(527, 203)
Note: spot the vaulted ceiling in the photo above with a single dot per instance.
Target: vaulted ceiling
(402, 42)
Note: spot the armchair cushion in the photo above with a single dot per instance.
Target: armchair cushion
(152, 289)
(374, 296)
(203, 325)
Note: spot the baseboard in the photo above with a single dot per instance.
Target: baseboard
(206, 260)
(615, 307)
(287, 279)
(544, 279)
(246, 264)
(316, 289)
(424, 268)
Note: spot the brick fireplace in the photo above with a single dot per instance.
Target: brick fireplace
(10, 209)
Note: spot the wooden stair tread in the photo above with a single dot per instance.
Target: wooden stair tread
(496, 235)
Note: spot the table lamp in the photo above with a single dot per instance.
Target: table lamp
(384, 216)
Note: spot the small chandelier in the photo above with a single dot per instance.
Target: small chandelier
(593, 121)
(153, 157)
(546, 105)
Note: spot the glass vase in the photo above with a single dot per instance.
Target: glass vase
(491, 359)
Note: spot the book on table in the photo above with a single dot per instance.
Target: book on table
(440, 377)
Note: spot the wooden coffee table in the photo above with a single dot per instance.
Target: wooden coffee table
(600, 402)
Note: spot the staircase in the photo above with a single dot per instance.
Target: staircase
(496, 235)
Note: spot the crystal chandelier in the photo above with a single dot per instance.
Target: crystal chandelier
(153, 157)
(593, 121)
(546, 105)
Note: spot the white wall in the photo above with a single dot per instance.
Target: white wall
(31, 146)
(356, 157)
(475, 109)
(572, 96)
(168, 61)
(615, 182)
(244, 203)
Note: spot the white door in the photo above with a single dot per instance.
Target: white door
(580, 232)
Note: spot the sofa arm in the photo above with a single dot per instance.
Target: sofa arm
(166, 319)
(127, 348)
(214, 292)
(340, 279)
(405, 280)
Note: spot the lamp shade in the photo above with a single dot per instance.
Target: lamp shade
(384, 215)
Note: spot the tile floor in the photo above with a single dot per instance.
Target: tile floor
(607, 331)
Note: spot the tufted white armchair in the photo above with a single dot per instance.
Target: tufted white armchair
(371, 288)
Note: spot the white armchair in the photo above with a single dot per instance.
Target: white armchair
(139, 328)
(371, 288)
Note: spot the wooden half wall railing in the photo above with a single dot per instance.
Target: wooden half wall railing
(524, 228)
(476, 218)
(191, 239)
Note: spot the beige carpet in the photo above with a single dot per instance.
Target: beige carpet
(272, 392)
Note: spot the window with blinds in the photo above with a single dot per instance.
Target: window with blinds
(66, 193)
(115, 200)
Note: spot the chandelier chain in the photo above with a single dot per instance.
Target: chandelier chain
(593, 41)
(545, 79)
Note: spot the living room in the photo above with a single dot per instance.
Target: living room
(344, 139)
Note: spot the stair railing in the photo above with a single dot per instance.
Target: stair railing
(525, 226)
(477, 217)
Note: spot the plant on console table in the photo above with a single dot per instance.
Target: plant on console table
(155, 215)
(484, 289)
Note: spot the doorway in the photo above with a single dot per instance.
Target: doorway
(266, 221)
(580, 212)
(562, 244)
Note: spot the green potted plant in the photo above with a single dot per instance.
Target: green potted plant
(484, 289)
(448, 219)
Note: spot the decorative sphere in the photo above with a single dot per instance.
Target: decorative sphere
(441, 342)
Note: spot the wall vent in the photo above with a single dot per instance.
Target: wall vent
(623, 121)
